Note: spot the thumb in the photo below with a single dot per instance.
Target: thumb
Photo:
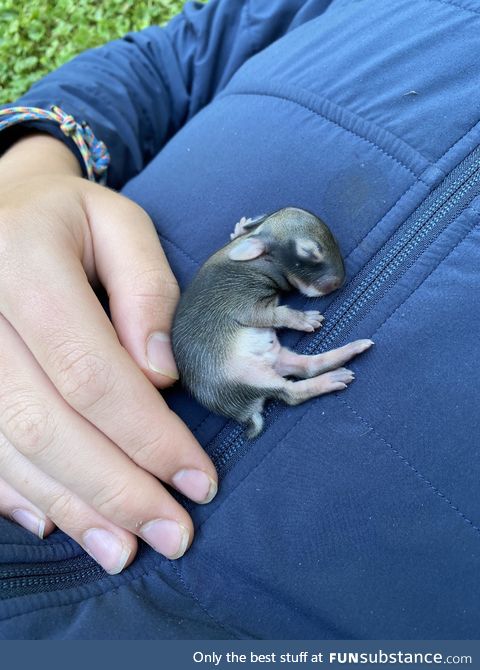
(142, 289)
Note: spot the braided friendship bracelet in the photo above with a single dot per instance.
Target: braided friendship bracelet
(94, 152)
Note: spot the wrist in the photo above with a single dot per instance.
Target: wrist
(38, 154)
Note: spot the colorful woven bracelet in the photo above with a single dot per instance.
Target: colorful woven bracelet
(94, 152)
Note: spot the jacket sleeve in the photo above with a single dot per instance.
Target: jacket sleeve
(136, 92)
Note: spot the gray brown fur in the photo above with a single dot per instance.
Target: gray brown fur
(233, 299)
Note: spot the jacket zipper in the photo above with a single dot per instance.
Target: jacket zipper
(419, 231)
(20, 580)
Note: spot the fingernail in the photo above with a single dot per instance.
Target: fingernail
(168, 537)
(107, 549)
(159, 355)
(195, 484)
(30, 521)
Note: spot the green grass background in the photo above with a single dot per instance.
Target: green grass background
(39, 35)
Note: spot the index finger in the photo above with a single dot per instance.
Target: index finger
(142, 290)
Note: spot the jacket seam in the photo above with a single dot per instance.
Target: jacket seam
(197, 427)
(432, 271)
(410, 465)
(339, 125)
(196, 599)
(178, 248)
(396, 451)
(447, 150)
(402, 195)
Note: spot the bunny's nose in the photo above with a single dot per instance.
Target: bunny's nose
(330, 284)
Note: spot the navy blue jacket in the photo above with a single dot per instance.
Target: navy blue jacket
(354, 515)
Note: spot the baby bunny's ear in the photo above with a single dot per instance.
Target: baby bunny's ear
(247, 225)
(247, 249)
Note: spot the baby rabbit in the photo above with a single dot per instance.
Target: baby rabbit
(224, 338)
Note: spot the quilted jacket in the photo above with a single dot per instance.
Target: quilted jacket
(354, 515)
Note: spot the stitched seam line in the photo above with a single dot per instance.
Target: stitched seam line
(178, 248)
(177, 569)
(196, 428)
(305, 302)
(402, 195)
(450, 148)
(424, 479)
(195, 598)
(430, 273)
(273, 447)
(342, 106)
(410, 465)
(335, 123)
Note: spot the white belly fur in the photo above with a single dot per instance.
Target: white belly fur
(253, 355)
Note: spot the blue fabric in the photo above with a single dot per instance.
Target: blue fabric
(355, 515)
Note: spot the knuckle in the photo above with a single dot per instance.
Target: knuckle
(148, 452)
(29, 425)
(83, 377)
(60, 507)
(110, 499)
(154, 283)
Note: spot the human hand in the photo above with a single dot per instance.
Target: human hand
(84, 435)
